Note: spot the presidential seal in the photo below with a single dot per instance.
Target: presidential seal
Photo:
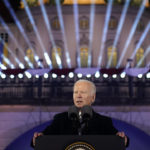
(80, 146)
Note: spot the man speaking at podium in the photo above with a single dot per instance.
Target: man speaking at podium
(81, 119)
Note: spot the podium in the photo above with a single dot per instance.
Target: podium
(75, 142)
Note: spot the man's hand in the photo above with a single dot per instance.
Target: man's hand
(35, 136)
(122, 134)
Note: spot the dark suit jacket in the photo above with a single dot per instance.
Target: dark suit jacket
(97, 125)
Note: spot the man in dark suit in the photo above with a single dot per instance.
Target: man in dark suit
(84, 94)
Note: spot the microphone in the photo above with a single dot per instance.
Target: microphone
(73, 113)
(86, 112)
(86, 115)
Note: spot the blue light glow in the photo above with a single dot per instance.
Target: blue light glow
(92, 16)
(139, 43)
(107, 18)
(59, 11)
(132, 31)
(121, 22)
(19, 26)
(76, 18)
(35, 30)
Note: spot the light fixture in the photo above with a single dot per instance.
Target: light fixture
(12, 76)
(37, 76)
(148, 75)
(97, 74)
(79, 75)
(114, 76)
(45, 75)
(20, 75)
(3, 76)
(88, 75)
(122, 75)
(105, 75)
(140, 76)
(71, 75)
(62, 76)
(54, 75)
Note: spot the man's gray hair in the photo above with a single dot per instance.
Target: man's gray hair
(87, 81)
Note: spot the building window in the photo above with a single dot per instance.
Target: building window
(55, 23)
(84, 56)
(140, 26)
(56, 50)
(30, 55)
(113, 23)
(84, 23)
(112, 53)
(3, 47)
(139, 55)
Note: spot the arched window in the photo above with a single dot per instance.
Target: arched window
(139, 55)
(113, 23)
(55, 23)
(84, 22)
(30, 55)
(84, 56)
(112, 52)
(56, 50)
(3, 47)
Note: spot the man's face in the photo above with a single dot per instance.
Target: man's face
(82, 94)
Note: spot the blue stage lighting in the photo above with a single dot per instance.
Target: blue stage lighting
(107, 18)
(19, 25)
(12, 37)
(139, 43)
(132, 31)
(35, 29)
(76, 21)
(48, 26)
(121, 22)
(92, 16)
(59, 12)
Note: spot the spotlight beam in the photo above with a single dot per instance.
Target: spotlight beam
(37, 33)
(121, 22)
(8, 61)
(59, 12)
(92, 16)
(139, 43)
(15, 41)
(2, 66)
(132, 31)
(107, 18)
(48, 26)
(21, 29)
(148, 65)
(76, 18)
(13, 55)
